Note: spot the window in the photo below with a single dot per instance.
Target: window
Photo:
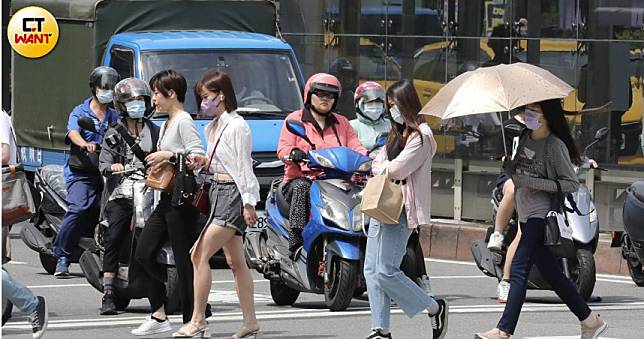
(122, 60)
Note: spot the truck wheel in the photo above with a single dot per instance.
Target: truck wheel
(48, 262)
(121, 303)
(584, 275)
(339, 291)
(173, 294)
(283, 295)
(635, 269)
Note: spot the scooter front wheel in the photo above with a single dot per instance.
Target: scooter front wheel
(339, 291)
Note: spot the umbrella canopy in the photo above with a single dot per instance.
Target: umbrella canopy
(495, 89)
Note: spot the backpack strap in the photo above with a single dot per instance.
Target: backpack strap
(134, 146)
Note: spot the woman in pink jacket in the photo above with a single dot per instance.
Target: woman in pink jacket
(406, 157)
(325, 129)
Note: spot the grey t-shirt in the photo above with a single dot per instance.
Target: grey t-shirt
(539, 163)
(180, 136)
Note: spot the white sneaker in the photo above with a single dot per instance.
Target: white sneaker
(426, 285)
(151, 326)
(496, 242)
(502, 291)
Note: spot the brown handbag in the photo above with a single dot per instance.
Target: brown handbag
(161, 178)
(202, 200)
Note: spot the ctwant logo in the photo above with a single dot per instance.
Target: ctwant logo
(33, 32)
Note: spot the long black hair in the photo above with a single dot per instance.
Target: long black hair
(406, 98)
(554, 114)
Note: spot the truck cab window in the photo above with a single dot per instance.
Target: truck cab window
(122, 60)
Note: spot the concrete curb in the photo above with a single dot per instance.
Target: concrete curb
(449, 239)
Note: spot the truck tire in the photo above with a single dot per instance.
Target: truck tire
(283, 295)
(584, 276)
(339, 291)
(48, 262)
(173, 294)
(635, 269)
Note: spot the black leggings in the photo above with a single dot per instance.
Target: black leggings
(297, 193)
(179, 225)
(118, 213)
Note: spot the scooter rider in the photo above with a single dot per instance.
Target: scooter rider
(369, 102)
(132, 100)
(82, 179)
(325, 128)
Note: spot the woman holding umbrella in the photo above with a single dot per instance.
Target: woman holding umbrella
(545, 156)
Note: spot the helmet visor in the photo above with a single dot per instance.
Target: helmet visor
(131, 88)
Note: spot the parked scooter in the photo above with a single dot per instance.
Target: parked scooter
(632, 239)
(579, 265)
(49, 182)
(332, 257)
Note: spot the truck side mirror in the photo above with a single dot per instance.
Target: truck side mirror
(87, 124)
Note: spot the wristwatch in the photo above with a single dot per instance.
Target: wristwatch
(173, 159)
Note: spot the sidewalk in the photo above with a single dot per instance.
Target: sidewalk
(450, 239)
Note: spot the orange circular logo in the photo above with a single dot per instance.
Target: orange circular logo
(32, 32)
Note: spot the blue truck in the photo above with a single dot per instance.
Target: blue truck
(140, 38)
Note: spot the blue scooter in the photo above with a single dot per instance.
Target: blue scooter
(332, 256)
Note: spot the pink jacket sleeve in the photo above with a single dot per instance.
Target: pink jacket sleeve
(287, 141)
(411, 158)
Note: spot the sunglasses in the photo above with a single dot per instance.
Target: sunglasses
(325, 95)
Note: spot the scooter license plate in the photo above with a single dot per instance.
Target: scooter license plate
(262, 220)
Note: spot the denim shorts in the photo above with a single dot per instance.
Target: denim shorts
(226, 207)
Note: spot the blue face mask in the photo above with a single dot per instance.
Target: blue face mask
(135, 109)
(532, 119)
(395, 115)
(104, 96)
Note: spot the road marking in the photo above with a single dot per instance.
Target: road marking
(443, 261)
(457, 277)
(612, 276)
(626, 282)
(219, 282)
(293, 313)
(17, 263)
(563, 337)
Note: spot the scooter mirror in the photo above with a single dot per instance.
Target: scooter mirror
(601, 133)
(87, 124)
(297, 128)
(381, 140)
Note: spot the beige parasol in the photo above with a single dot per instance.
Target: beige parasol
(495, 89)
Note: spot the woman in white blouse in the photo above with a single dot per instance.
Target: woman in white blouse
(233, 196)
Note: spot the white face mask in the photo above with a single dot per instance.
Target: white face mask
(373, 110)
(395, 115)
(104, 96)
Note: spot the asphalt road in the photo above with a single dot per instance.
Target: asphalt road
(73, 306)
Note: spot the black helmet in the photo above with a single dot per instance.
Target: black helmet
(130, 88)
(103, 77)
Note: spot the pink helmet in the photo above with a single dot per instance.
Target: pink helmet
(369, 90)
(321, 82)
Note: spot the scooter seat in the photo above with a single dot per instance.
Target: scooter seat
(283, 204)
(54, 177)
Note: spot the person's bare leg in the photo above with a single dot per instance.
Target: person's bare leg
(512, 249)
(506, 207)
(243, 283)
(213, 239)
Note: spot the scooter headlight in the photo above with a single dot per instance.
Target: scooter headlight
(324, 162)
(336, 213)
(359, 219)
